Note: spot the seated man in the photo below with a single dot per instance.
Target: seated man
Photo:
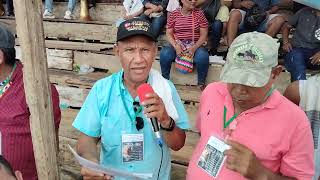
(155, 12)
(304, 49)
(271, 25)
(6, 171)
(306, 94)
(248, 129)
(113, 112)
(48, 13)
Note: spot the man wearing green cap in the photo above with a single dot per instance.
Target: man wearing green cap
(248, 129)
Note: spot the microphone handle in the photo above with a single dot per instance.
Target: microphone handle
(155, 125)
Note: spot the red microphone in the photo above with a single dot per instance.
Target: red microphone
(143, 90)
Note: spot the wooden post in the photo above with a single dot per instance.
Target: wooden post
(36, 84)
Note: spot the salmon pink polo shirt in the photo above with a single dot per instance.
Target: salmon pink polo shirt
(277, 131)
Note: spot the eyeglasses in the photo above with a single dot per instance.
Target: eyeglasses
(137, 109)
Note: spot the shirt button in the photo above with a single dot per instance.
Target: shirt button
(308, 19)
(131, 166)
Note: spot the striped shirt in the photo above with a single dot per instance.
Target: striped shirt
(182, 24)
(309, 91)
(16, 139)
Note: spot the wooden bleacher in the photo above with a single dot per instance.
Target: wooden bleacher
(74, 43)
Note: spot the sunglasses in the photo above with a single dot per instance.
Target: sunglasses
(137, 109)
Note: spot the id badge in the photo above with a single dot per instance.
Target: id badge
(132, 147)
(212, 157)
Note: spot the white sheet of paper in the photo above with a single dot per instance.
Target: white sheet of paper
(113, 172)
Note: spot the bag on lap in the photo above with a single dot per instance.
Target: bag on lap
(184, 63)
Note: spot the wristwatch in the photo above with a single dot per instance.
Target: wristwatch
(171, 126)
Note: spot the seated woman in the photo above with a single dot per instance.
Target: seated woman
(188, 27)
(16, 143)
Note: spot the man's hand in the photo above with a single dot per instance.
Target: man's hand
(93, 175)
(287, 47)
(315, 59)
(154, 108)
(247, 4)
(128, 17)
(242, 160)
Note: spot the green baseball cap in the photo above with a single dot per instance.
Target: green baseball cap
(250, 60)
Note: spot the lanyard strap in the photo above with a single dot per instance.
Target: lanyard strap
(125, 106)
(124, 103)
(225, 122)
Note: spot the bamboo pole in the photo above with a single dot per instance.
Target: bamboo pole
(36, 84)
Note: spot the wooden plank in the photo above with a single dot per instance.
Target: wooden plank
(60, 59)
(73, 30)
(178, 172)
(77, 30)
(71, 45)
(102, 11)
(102, 61)
(37, 88)
(72, 96)
(70, 78)
(67, 118)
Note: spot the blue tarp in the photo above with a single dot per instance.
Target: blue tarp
(311, 3)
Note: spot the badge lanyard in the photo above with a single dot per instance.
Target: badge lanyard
(227, 123)
(7, 80)
(124, 103)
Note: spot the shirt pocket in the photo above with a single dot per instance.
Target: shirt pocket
(264, 150)
(111, 132)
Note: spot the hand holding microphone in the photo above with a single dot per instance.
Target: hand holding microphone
(153, 107)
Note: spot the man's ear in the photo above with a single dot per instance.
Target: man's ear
(116, 49)
(276, 72)
(1, 57)
(18, 175)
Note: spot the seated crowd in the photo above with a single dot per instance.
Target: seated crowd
(247, 129)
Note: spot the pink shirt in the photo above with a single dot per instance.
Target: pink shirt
(277, 131)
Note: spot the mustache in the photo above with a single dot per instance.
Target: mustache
(241, 98)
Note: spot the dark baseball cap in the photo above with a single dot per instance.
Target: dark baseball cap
(7, 39)
(133, 27)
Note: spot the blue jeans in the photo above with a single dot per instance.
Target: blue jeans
(49, 5)
(157, 23)
(9, 7)
(297, 61)
(200, 58)
(215, 31)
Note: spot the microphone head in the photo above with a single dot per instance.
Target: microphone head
(144, 89)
